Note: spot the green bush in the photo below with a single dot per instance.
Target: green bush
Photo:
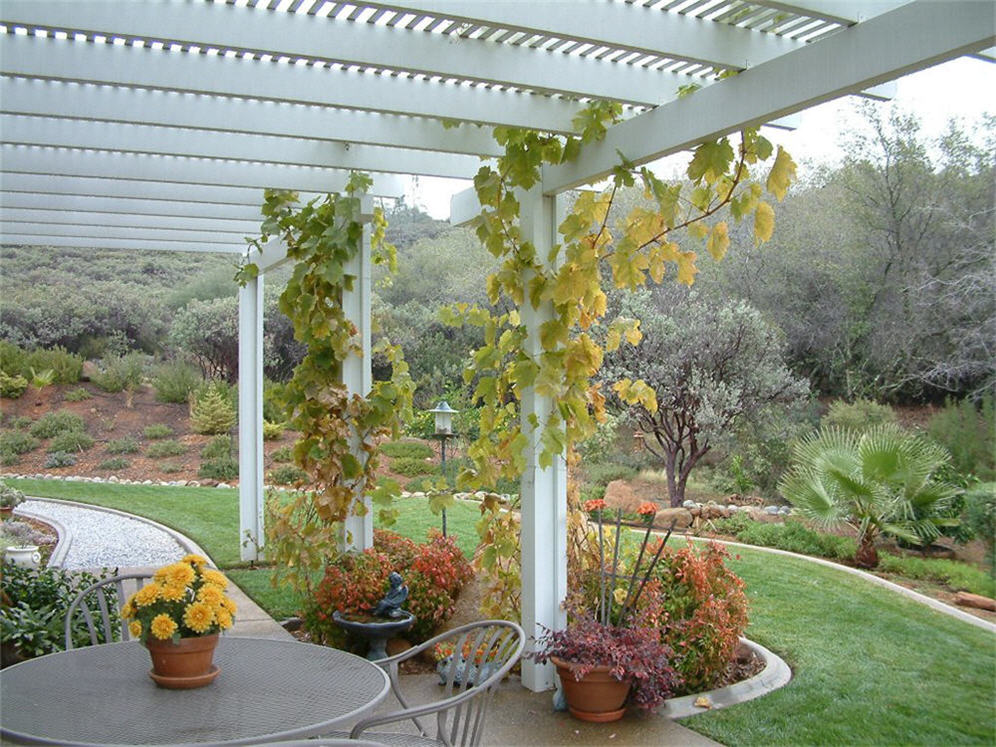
(406, 450)
(287, 474)
(170, 467)
(157, 430)
(954, 574)
(967, 431)
(272, 431)
(70, 441)
(76, 395)
(211, 411)
(793, 536)
(53, 423)
(114, 463)
(273, 406)
(412, 467)
(165, 448)
(980, 516)
(218, 447)
(283, 454)
(42, 378)
(175, 381)
(10, 497)
(119, 373)
(60, 459)
(20, 423)
(67, 367)
(12, 387)
(13, 360)
(858, 416)
(9, 458)
(127, 445)
(17, 442)
(224, 468)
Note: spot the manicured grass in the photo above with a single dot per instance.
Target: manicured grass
(869, 666)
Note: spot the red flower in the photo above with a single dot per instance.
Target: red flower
(595, 504)
(647, 509)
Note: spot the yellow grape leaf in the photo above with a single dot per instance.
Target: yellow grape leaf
(781, 175)
(764, 223)
(570, 285)
(636, 393)
(698, 229)
(686, 268)
(644, 226)
(719, 241)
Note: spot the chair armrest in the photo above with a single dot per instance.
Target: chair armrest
(406, 714)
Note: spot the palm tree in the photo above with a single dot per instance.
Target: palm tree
(881, 481)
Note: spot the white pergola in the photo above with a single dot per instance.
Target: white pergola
(156, 124)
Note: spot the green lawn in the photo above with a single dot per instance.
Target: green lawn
(870, 667)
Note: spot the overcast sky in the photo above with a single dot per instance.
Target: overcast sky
(964, 89)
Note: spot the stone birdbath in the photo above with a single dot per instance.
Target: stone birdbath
(387, 621)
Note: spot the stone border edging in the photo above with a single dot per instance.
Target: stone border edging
(935, 604)
(65, 536)
(183, 541)
(776, 674)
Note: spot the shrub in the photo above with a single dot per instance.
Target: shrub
(13, 360)
(9, 458)
(165, 448)
(70, 441)
(76, 395)
(66, 367)
(114, 463)
(17, 442)
(407, 450)
(119, 373)
(858, 416)
(601, 474)
(20, 423)
(169, 467)
(53, 423)
(702, 608)
(287, 474)
(127, 445)
(793, 536)
(223, 468)
(217, 448)
(283, 454)
(272, 431)
(966, 430)
(412, 467)
(157, 430)
(175, 381)
(12, 387)
(273, 406)
(10, 496)
(980, 516)
(951, 573)
(211, 412)
(400, 549)
(60, 459)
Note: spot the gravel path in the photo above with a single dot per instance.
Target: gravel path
(104, 539)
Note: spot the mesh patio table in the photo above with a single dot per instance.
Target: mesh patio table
(267, 690)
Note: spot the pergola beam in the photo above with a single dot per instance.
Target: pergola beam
(53, 216)
(911, 37)
(13, 238)
(27, 228)
(135, 207)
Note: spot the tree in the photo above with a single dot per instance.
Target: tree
(711, 367)
(881, 481)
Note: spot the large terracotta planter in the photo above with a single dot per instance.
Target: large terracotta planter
(184, 665)
(598, 696)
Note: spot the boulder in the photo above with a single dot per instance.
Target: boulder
(665, 516)
(965, 599)
(618, 494)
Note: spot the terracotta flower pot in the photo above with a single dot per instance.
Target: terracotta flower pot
(598, 696)
(184, 665)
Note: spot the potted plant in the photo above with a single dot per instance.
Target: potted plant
(613, 655)
(178, 617)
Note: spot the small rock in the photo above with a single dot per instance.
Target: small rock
(703, 702)
(785, 510)
(292, 623)
(682, 517)
(965, 599)
(688, 504)
(223, 485)
(733, 508)
(771, 510)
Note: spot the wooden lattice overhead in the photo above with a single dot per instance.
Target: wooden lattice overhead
(156, 123)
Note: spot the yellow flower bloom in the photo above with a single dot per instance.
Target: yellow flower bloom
(195, 560)
(619, 595)
(163, 627)
(172, 592)
(224, 618)
(146, 595)
(128, 610)
(211, 594)
(212, 576)
(180, 574)
(229, 605)
(198, 617)
(135, 628)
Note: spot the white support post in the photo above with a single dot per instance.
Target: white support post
(356, 372)
(251, 534)
(543, 490)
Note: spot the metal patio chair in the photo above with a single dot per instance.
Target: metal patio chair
(491, 648)
(100, 606)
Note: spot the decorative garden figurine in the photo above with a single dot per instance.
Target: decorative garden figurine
(390, 605)
(378, 632)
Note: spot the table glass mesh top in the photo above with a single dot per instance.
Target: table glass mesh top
(104, 695)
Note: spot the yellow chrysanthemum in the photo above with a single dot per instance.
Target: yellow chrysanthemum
(172, 592)
(195, 560)
(146, 595)
(229, 605)
(135, 628)
(224, 618)
(211, 576)
(180, 574)
(211, 594)
(128, 611)
(198, 617)
(163, 627)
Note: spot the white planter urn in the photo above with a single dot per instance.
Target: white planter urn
(26, 556)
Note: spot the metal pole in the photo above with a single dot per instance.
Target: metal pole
(442, 466)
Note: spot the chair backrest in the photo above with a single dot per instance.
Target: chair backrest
(483, 653)
(99, 605)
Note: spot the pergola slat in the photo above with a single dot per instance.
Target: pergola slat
(53, 216)
(12, 238)
(140, 207)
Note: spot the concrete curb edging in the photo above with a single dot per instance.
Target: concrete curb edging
(65, 536)
(775, 674)
(184, 542)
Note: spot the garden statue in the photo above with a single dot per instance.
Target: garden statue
(390, 605)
